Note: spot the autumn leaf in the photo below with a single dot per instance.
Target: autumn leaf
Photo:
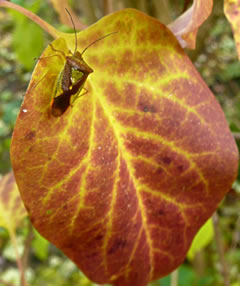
(12, 214)
(232, 12)
(12, 211)
(186, 26)
(123, 180)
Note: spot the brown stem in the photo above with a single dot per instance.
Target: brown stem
(107, 7)
(220, 250)
(199, 264)
(44, 25)
(236, 236)
(27, 246)
(18, 259)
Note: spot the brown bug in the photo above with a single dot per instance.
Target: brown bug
(72, 78)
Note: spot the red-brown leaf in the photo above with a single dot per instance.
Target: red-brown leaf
(123, 180)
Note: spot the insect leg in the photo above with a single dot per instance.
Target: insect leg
(55, 50)
(77, 95)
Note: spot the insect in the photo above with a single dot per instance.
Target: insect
(72, 78)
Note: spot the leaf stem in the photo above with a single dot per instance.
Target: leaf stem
(220, 250)
(174, 278)
(44, 25)
(18, 259)
(27, 246)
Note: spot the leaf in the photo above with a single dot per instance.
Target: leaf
(232, 12)
(186, 26)
(123, 180)
(202, 239)
(40, 246)
(27, 41)
(12, 211)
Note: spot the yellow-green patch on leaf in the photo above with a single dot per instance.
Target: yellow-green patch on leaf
(123, 180)
(232, 12)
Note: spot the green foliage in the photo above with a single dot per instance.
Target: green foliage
(8, 113)
(27, 37)
(40, 246)
(202, 239)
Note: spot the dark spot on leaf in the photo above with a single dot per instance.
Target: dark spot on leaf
(160, 212)
(31, 149)
(91, 255)
(166, 160)
(159, 171)
(99, 237)
(180, 168)
(30, 135)
(118, 243)
(146, 107)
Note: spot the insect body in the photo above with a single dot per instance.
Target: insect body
(71, 81)
(72, 78)
(71, 86)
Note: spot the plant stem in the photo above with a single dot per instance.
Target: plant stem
(236, 235)
(107, 7)
(18, 259)
(27, 246)
(44, 25)
(220, 250)
(174, 278)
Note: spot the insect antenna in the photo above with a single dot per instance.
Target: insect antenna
(75, 32)
(97, 41)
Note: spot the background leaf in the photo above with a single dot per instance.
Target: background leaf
(202, 239)
(185, 27)
(12, 211)
(232, 10)
(27, 38)
(40, 246)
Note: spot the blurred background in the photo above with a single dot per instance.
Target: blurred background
(217, 253)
